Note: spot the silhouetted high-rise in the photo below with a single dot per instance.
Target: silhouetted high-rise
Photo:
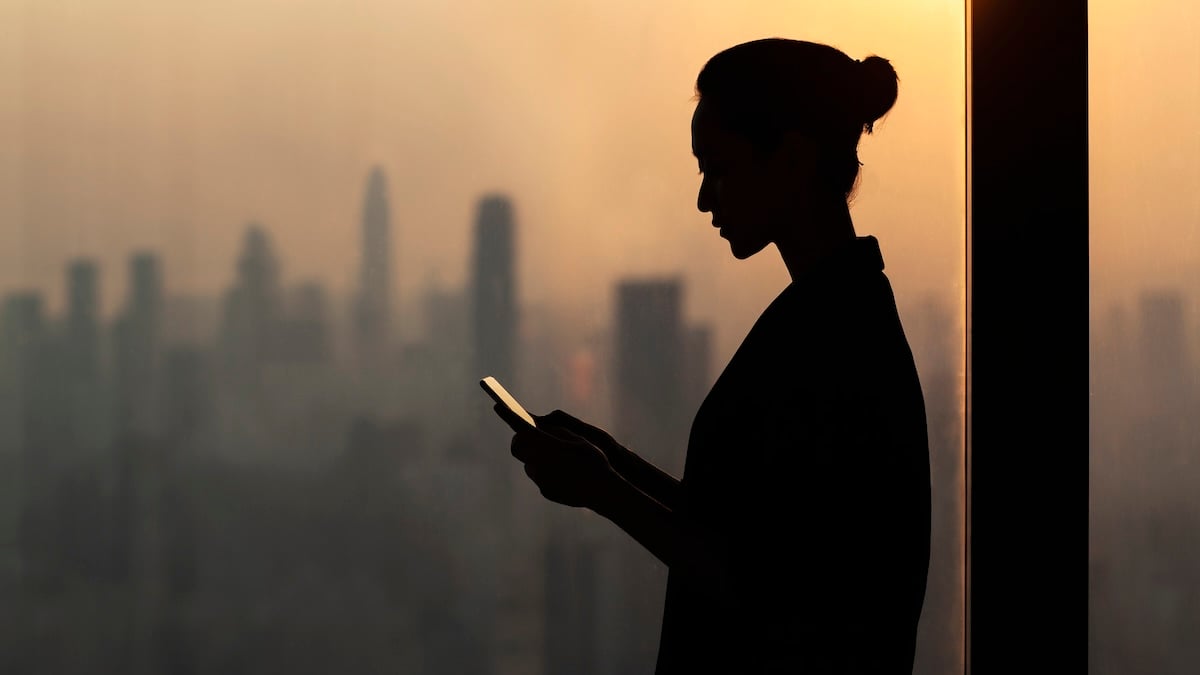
(649, 407)
(84, 405)
(513, 611)
(252, 306)
(33, 394)
(23, 362)
(83, 323)
(22, 322)
(373, 305)
(137, 346)
(650, 359)
(493, 291)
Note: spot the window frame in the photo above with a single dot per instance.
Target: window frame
(1027, 379)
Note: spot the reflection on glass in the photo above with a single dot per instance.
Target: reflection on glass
(246, 251)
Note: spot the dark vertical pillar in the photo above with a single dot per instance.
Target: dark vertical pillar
(1028, 337)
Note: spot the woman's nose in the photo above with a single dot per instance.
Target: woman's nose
(704, 196)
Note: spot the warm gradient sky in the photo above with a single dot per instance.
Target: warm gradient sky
(1145, 147)
(129, 124)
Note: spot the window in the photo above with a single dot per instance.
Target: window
(1144, 89)
(243, 249)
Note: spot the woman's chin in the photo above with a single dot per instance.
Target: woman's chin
(741, 250)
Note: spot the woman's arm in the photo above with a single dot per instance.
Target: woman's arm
(654, 482)
(658, 484)
(572, 470)
(670, 536)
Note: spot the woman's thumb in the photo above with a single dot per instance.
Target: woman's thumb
(558, 418)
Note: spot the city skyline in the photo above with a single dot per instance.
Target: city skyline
(454, 102)
(197, 317)
(197, 314)
(241, 416)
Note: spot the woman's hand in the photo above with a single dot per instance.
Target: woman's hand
(566, 468)
(598, 437)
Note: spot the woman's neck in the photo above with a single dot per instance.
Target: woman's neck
(822, 231)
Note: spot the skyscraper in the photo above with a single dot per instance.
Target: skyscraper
(84, 407)
(493, 289)
(137, 344)
(515, 616)
(32, 437)
(82, 325)
(373, 305)
(146, 285)
(252, 307)
(650, 399)
(650, 358)
(23, 337)
(21, 323)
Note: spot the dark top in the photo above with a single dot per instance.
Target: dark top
(808, 464)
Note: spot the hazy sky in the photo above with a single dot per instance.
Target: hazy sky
(168, 125)
(1144, 124)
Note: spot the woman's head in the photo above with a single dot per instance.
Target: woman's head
(776, 133)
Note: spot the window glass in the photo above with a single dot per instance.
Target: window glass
(1144, 97)
(255, 256)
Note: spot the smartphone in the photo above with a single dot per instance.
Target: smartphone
(501, 396)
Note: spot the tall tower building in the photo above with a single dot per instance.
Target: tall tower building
(137, 344)
(493, 288)
(146, 285)
(83, 324)
(514, 611)
(31, 438)
(24, 387)
(651, 351)
(84, 404)
(373, 305)
(650, 408)
(253, 306)
(21, 330)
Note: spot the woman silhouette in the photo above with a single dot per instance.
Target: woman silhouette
(798, 537)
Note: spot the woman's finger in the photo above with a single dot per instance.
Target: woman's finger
(520, 447)
(560, 420)
(561, 434)
(512, 420)
(528, 446)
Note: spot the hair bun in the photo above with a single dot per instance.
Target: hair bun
(877, 89)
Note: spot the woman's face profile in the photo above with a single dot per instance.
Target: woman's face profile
(750, 196)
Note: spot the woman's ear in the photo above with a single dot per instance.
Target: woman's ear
(797, 155)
